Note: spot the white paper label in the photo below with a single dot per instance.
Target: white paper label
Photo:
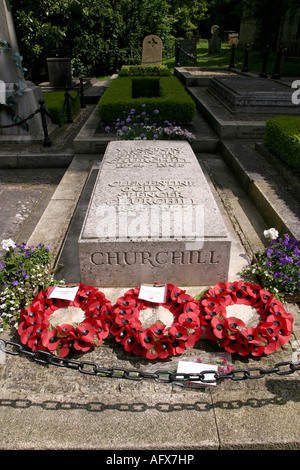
(153, 293)
(64, 293)
(186, 367)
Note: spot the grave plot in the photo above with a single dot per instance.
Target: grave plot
(237, 106)
(152, 217)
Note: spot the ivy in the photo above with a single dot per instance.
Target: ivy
(18, 88)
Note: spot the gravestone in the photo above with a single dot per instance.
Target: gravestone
(152, 218)
(253, 95)
(59, 72)
(152, 50)
(26, 103)
(186, 51)
(214, 43)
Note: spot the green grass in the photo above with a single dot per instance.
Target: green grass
(204, 59)
(55, 101)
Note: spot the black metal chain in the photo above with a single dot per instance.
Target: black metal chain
(165, 376)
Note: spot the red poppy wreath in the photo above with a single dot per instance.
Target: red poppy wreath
(272, 331)
(42, 325)
(156, 341)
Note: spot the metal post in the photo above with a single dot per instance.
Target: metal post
(245, 66)
(263, 73)
(232, 57)
(67, 99)
(47, 141)
(276, 73)
(82, 102)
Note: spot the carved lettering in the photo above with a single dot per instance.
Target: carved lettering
(131, 258)
(160, 157)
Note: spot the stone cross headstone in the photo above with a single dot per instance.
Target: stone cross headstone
(214, 42)
(26, 103)
(152, 50)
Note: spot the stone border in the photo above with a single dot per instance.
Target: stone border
(268, 193)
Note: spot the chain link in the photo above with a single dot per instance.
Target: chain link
(163, 376)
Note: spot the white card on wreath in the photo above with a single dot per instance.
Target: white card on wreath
(64, 293)
(155, 293)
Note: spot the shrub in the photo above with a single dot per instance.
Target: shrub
(56, 108)
(24, 271)
(173, 102)
(144, 70)
(282, 137)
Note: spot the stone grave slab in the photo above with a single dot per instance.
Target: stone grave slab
(152, 217)
(252, 95)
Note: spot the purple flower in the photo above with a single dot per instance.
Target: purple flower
(107, 129)
(124, 128)
(155, 136)
(156, 111)
(15, 283)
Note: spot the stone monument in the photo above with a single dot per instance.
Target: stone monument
(253, 95)
(152, 50)
(152, 218)
(59, 72)
(214, 42)
(27, 101)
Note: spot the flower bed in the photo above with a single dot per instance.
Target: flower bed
(278, 266)
(139, 127)
(24, 271)
(173, 102)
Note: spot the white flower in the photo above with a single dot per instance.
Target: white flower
(271, 233)
(6, 244)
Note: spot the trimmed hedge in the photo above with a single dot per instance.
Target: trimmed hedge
(174, 103)
(55, 100)
(282, 137)
(144, 70)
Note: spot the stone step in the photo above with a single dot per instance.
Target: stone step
(268, 191)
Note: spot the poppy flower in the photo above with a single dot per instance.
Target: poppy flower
(235, 324)
(178, 332)
(86, 332)
(50, 339)
(130, 341)
(177, 346)
(219, 325)
(189, 320)
(126, 303)
(158, 329)
(146, 338)
(164, 348)
(250, 336)
(175, 292)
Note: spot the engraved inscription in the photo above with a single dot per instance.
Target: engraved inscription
(153, 192)
(132, 258)
(152, 156)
